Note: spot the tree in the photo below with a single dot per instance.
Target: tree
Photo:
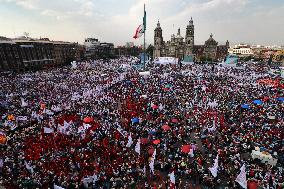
(150, 50)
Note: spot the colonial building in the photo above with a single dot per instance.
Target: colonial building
(97, 50)
(128, 51)
(22, 54)
(241, 50)
(181, 47)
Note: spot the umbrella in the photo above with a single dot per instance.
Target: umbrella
(155, 107)
(175, 120)
(135, 120)
(88, 119)
(144, 140)
(151, 150)
(186, 148)
(257, 102)
(280, 99)
(156, 141)
(168, 86)
(3, 139)
(252, 184)
(166, 127)
(245, 106)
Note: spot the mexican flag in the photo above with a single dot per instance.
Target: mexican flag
(141, 28)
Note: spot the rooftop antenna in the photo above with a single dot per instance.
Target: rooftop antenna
(26, 34)
(14, 32)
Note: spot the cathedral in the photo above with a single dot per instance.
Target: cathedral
(181, 47)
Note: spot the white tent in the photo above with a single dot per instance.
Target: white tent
(166, 60)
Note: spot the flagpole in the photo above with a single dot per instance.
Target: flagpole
(144, 39)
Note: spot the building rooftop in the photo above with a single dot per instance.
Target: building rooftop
(5, 40)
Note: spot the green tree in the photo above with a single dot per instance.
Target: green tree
(150, 50)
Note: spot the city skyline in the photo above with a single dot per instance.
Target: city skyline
(239, 21)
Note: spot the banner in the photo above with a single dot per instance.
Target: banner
(22, 118)
(130, 142)
(172, 177)
(214, 169)
(57, 187)
(241, 178)
(151, 165)
(48, 130)
(137, 146)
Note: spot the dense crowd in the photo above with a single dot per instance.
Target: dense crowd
(102, 125)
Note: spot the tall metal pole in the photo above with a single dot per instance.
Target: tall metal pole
(144, 39)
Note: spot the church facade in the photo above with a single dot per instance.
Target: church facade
(180, 47)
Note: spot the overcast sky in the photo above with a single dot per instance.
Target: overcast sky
(250, 21)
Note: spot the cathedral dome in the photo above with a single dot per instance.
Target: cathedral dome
(211, 41)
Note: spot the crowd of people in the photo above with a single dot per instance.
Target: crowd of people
(106, 125)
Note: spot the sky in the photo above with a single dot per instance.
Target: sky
(239, 21)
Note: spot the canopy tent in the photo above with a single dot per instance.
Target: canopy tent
(166, 60)
(188, 60)
(230, 61)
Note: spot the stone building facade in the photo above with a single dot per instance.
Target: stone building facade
(98, 50)
(23, 54)
(180, 47)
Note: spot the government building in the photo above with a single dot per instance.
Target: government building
(28, 54)
(184, 48)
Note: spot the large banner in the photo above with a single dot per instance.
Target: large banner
(166, 60)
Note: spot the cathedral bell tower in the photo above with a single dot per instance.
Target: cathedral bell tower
(189, 38)
(158, 40)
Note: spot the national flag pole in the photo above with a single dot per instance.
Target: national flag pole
(144, 23)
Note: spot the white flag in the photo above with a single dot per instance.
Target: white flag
(151, 164)
(1, 163)
(13, 126)
(84, 128)
(57, 187)
(172, 177)
(137, 146)
(34, 115)
(87, 180)
(214, 169)
(23, 103)
(48, 130)
(48, 112)
(29, 167)
(130, 142)
(120, 130)
(65, 128)
(242, 178)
